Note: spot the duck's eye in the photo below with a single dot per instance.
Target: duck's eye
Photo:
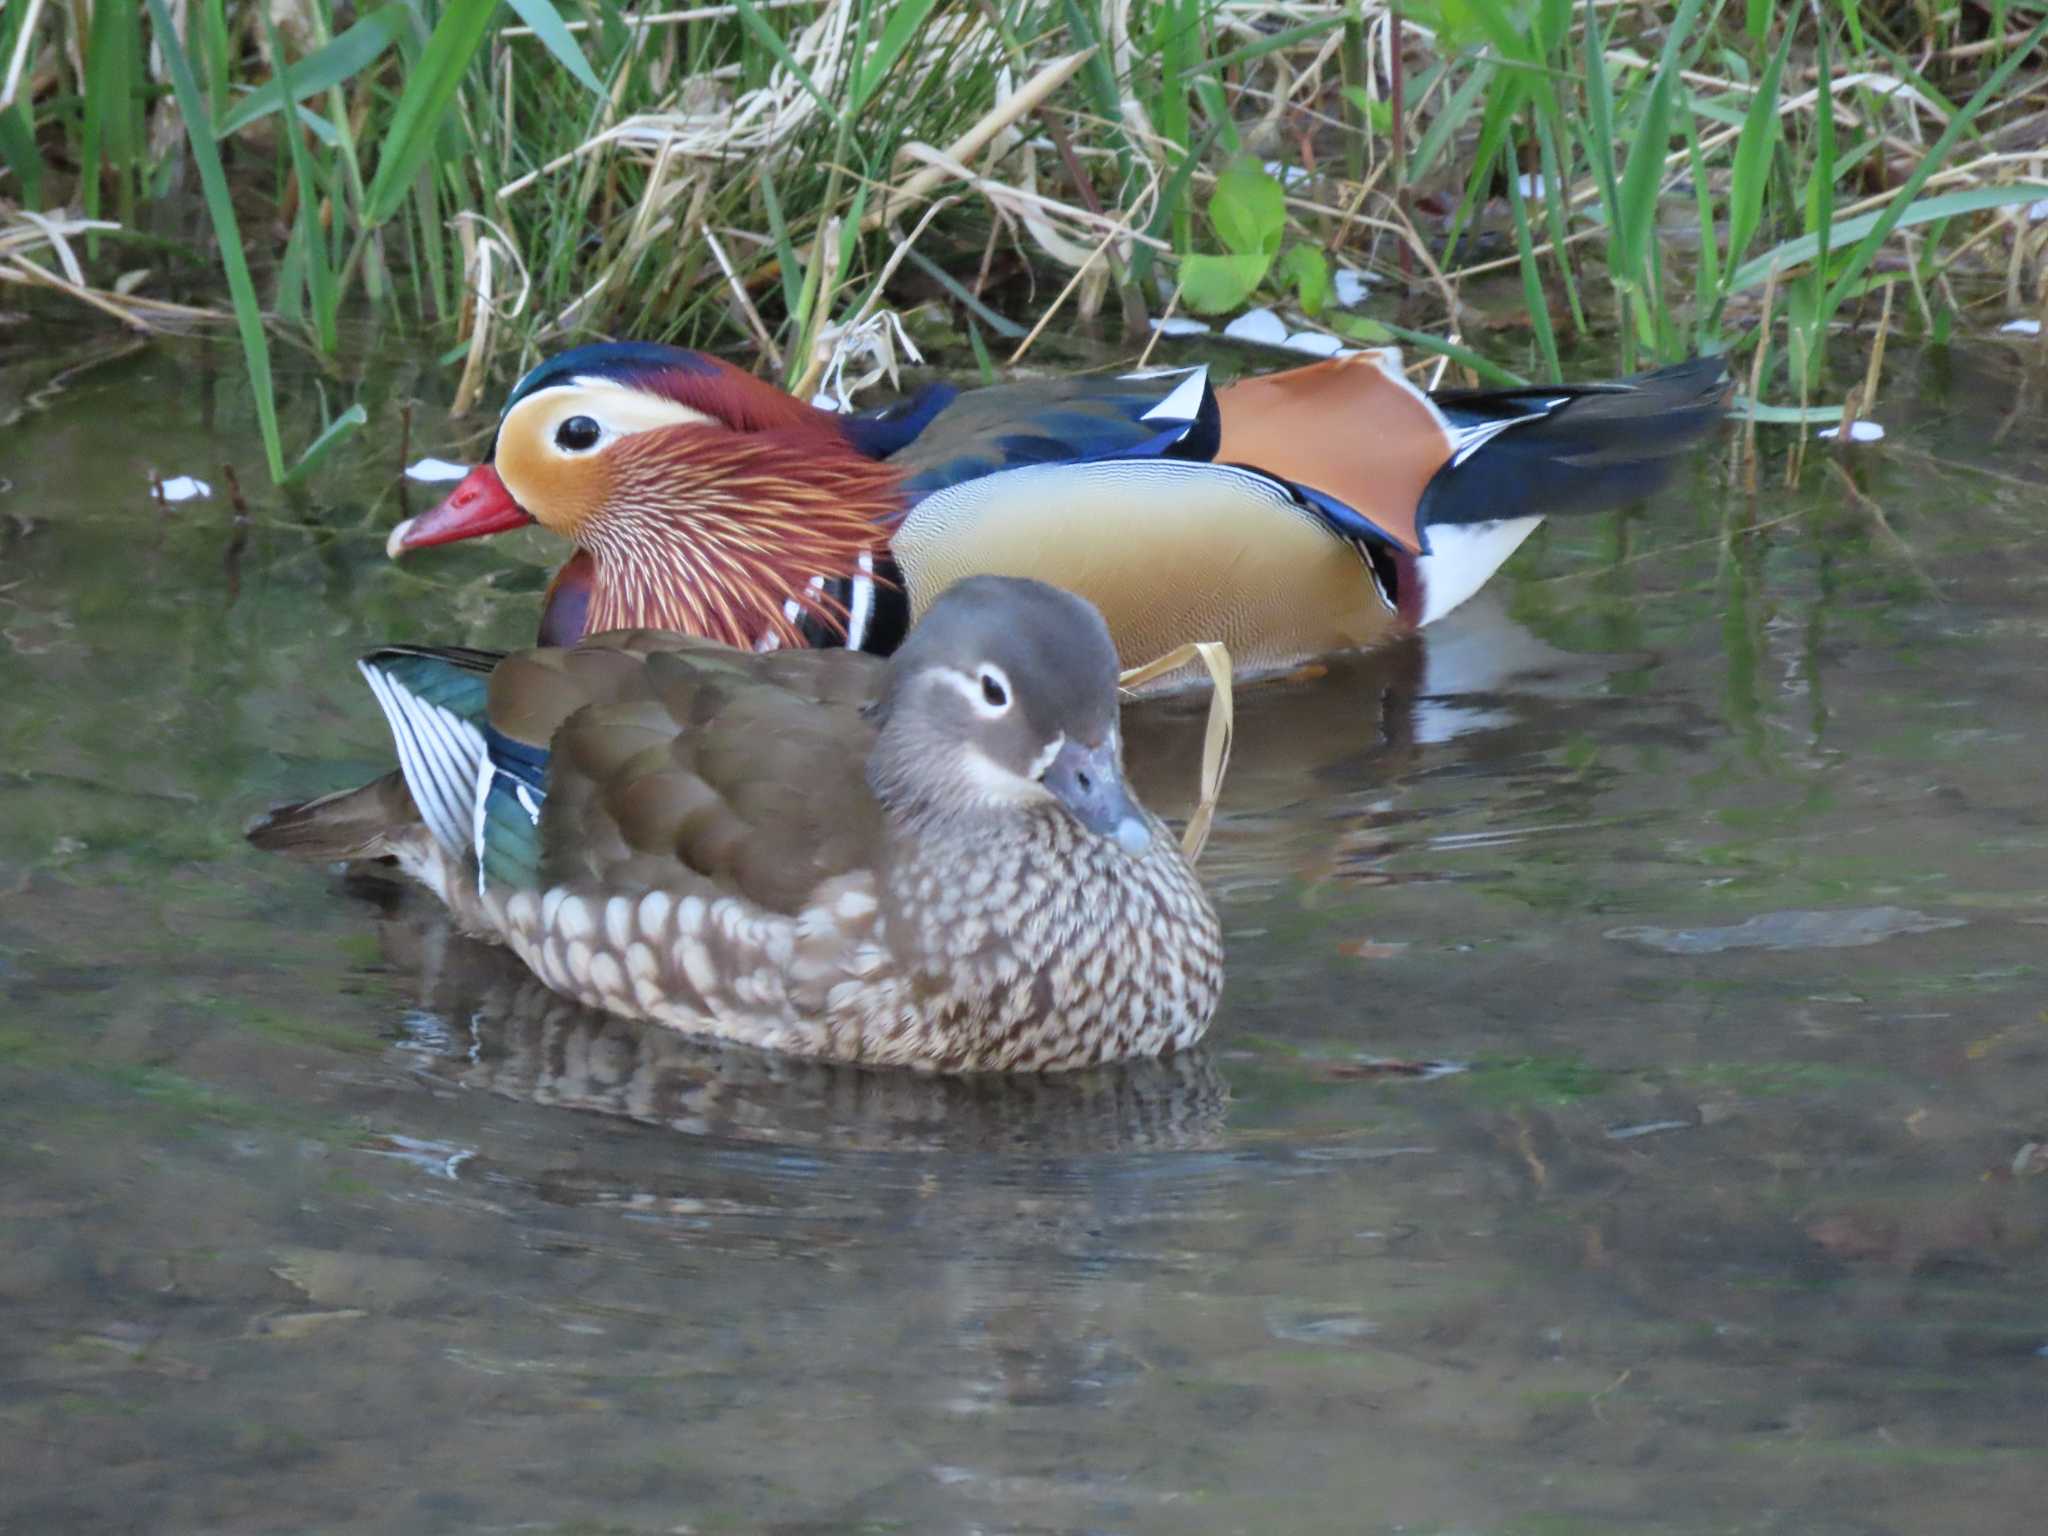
(993, 693)
(578, 434)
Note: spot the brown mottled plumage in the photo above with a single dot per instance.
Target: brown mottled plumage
(928, 862)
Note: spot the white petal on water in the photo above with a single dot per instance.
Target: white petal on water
(1315, 343)
(2037, 211)
(1851, 929)
(1647, 1128)
(1287, 175)
(1352, 286)
(1182, 325)
(1260, 325)
(432, 469)
(1860, 431)
(1529, 185)
(2020, 328)
(185, 488)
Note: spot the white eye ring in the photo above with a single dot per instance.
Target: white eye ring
(994, 694)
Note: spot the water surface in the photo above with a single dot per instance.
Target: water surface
(1708, 850)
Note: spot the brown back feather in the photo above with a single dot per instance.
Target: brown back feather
(697, 769)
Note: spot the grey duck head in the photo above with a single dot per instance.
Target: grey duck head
(1003, 700)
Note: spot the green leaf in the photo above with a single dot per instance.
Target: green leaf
(355, 50)
(752, 19)
(1532, 281)
(1211, 285)
(1308, 270)
(1249, 211)
(1945, 205)
(1361, 329)
(1743, 409)
(213, 182)
(905, 18)
(1639, 181)
(23, 157)
(320, 288)
(1896, 211)
(335, 431)
(1753, 155)
(556, 37)
(1422, 341)
(112, 133)
(1599, 129)
(428, 94)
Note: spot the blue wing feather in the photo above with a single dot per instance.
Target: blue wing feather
(1077, 421)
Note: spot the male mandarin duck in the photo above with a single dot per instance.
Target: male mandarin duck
(928, 861)
(1320, 509)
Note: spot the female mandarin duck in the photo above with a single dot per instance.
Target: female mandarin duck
(1303, 512)
(930, 861)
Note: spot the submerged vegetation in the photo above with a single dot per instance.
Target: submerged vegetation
(770, 176)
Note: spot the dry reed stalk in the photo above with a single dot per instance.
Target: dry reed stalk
(22, 43)
(739, 292)
(1020, 103)
(1216, 739)
(1876, 365)
(1756, 381)
(821, 353)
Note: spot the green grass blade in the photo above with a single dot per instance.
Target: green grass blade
(1904, 202)
(18, 148)
(409, 140)
(1286, 37)
(1945, 205)
(1707, 277)
(905, 19)
(787, 260)
(1517, 51)
(1180, 39)
(113, 58)
(1752, 168)
(770, 39)
(1455, 114)
(319, 273)
(1006, 329)
(983, 363)
(1599, 129)
(1820, 186)
(348, 55)
(1436, 346)
(335, 432)
(213, 182)
(1551, 137)
(556, 37)
(1532, 280)
(1636, 212)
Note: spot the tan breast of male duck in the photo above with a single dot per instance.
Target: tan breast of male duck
(930, 861)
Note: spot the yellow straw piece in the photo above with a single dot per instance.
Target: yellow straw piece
(1215, 743)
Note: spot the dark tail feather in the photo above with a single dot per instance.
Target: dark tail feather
(349, 824)
(1575, 448)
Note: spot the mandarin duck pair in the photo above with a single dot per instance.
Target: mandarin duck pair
(710, 802)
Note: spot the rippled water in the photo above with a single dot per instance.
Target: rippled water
(1629, 1111)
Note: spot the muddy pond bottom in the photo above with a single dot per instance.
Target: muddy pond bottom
(1628, 1111)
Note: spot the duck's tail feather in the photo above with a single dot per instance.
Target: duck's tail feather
(436, 700)
(1536, 450)
(349, 825)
